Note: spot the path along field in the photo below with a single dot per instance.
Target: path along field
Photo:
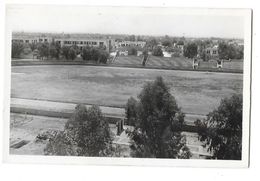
(195, 92)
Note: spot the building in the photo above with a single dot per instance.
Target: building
(130, 43)
(212, 52)
(83, 42)
(64, 40)
(27, 38)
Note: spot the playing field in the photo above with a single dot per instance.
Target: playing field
(195, 92)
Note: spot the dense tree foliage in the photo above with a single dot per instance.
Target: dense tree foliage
(17, 49)
(98, 55)
(132, 51)
(227, 51)
(85, 134)
(69, 53)
(222, 130)
(190, 50)
(157, 51)
(157, 122)
(43, 49)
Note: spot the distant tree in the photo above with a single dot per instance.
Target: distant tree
(103, 56)
(158, 122)
(145, 56)
(190, 50)
(132, 38)
(33, 46)
(222, 130)
(180, 42)
(43, 50)
(132, 51)
(17, 49)
(85, 134)
(167, 43)
(65, 52)
(151, 44)
(72, 53)
(94, 54)
(54, 50)
(226, 51)
(157, 51)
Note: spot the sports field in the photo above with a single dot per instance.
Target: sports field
(195, 92)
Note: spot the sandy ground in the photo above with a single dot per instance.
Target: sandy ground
(25, 128)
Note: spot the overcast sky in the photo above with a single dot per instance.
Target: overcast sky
(115, 20)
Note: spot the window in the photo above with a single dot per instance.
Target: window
(94, 43)
(208, 51)
(26, 41)
(101, 43)
(214, 52)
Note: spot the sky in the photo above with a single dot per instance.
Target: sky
(126, 20)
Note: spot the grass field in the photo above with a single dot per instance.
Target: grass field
(177, 63)
(195, 92)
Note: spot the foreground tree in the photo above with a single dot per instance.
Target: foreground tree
(157, 122)
(17, 49)
(85, 134)
(222, 130)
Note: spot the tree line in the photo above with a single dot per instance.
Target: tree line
(54, 50)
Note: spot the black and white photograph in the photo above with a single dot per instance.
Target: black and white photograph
(128, 85)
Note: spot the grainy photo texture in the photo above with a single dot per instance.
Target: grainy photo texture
(158, 83)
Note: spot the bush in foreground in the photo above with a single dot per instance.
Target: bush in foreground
(222, 130)
(85, 134)
(157, 122)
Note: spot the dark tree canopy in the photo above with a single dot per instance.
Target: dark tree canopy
(85, 134)
(132, 51)
(98, 55)
(157, 122)
(222, 130)
(17, 49)
(190, 50)
(43, 50)
(227, 51)
(157, 51)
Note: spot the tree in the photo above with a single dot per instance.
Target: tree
(72, 53)
(158, 122)
(190, 50)
(43, 50)
(85, 134)
(95, 54)
(157, 51)
(132, 51)
(54, 50)
(222, 129)
(69, 52)
(145, 57)
(17, 49)
(226, 51)
(167, 43)
(65, 52)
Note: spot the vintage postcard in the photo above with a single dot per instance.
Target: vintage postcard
(127, 85)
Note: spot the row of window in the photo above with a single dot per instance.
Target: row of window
(83, 42)
(32, 41)
(214, 52)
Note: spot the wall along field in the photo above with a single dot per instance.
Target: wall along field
(196, 92)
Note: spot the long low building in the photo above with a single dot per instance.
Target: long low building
(65, 41)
